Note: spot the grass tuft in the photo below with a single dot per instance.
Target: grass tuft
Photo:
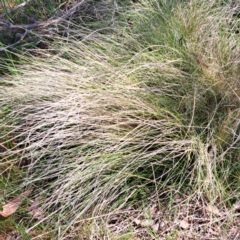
(147, 108)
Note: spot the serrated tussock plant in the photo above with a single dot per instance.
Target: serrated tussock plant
(116, 117)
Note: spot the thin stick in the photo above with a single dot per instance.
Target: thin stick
(12, 45)
(5, 25)
(236, 237)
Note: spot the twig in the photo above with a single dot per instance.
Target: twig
(19, 41)
(14, 9)
(8, 26)
(5, 25)
(3, 147)
(236, 237)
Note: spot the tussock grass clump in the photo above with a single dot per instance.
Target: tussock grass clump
(141, 111)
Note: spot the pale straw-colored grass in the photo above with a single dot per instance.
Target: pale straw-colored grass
(109, 122)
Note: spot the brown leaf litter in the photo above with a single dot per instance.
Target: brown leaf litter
(12, 206)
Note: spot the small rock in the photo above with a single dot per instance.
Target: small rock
(184, 224)
(162, 224)
(147, 223)
(155, 227)
(137, 221)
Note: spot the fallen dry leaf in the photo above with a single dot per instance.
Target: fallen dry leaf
(12, 206)
(38, 214)
(34, 208)
(34, 205)
(214, 210)
(184, 224)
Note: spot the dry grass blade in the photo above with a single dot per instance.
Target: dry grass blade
(125, 115)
